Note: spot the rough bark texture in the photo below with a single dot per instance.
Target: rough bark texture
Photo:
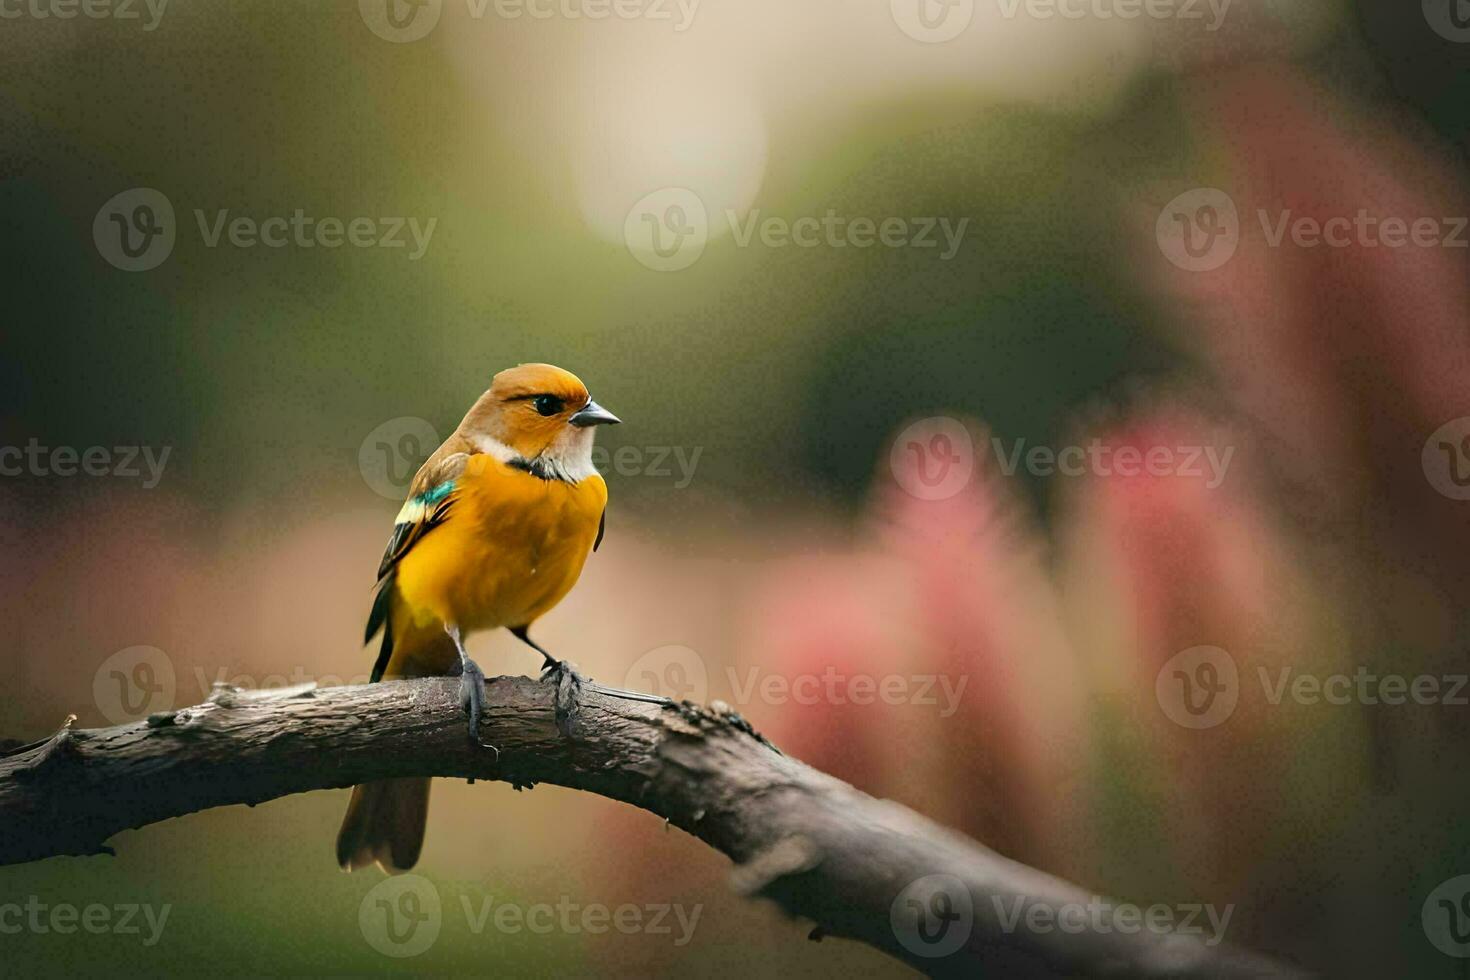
(820, 848)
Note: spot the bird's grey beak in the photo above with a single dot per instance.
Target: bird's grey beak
(593, 414)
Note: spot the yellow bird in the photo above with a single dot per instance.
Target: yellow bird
(495, 530)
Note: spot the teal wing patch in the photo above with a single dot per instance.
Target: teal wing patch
(421, 513)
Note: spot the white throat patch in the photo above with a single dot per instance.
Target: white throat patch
(491, 446)
(568, 458)
(570, 454)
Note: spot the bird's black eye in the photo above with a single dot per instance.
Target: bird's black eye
(547, 404)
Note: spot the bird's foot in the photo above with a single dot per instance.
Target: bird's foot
(471, 693)
(564, 676)
(567, 683)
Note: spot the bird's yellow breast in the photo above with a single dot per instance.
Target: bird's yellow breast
(511, 546)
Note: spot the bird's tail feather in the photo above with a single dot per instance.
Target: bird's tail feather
(384, 825)
(385, 819)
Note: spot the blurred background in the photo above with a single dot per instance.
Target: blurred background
(842, 268)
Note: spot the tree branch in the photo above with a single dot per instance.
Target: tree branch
(818, 847)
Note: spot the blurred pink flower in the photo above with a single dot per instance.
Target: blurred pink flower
(815, 624)
(1162, 563)
(946, 602)
(987, 614)
(1348, 357)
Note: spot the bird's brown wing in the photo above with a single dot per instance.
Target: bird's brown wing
(430, 497)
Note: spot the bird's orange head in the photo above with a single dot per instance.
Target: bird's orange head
(538, 412)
